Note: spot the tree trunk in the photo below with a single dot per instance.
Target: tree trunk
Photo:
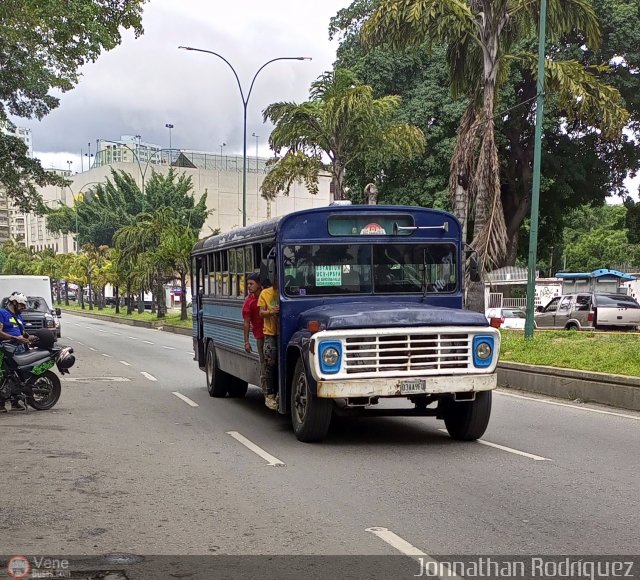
(58, 292)
(90, 293)
(141, 302)
(462, 165)
(183, 296)
(116, 292)
(100, 298)
(161, 300)
(66, 293)
(81, 295)
(129, 296)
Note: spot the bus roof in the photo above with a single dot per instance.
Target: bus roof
(270, 227)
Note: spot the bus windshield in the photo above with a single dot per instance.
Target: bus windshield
(321, 269)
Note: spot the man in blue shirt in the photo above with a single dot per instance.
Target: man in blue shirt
(12, 327)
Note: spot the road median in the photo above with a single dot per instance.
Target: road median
(588, 387)
(155, 325)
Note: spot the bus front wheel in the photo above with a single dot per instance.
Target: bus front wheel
(217, 380)
(467, 420)
(310, 416)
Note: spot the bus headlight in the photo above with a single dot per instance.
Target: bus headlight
(330, 353)
(482, 351)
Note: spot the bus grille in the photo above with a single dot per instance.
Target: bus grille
(407, 352)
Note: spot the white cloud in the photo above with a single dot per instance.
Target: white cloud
(147, 82)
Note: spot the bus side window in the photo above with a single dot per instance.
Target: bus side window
(240, 268)
(224, 265)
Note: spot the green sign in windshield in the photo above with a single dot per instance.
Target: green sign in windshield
(328, 275)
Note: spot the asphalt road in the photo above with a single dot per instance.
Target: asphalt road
(123, 464)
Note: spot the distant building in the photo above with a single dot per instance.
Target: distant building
(220, 176)
(128, 149)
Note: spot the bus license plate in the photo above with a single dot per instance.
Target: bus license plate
(413, 386)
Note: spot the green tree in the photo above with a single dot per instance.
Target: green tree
(107, 207)
(139, 246)
(483, 38)
(342, 122)
(596, 237)
(175, 248)
(43, 44)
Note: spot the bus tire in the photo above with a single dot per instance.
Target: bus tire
(468, 420)
(238, 388)
(310, 416)
(217, 380)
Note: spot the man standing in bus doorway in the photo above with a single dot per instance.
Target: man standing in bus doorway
(269, 303)
(253, 321)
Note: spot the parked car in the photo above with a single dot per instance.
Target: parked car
(506, 317)
(585, 311)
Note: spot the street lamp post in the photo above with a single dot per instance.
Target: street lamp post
(257, 171)
(169, 126)
(245, 103)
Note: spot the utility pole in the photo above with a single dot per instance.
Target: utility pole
(535, 193)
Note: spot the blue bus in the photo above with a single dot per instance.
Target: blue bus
(371, 310)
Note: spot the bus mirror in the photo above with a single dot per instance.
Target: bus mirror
(271, 269)
(474, 269)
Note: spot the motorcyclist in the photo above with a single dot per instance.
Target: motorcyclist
(12, 329)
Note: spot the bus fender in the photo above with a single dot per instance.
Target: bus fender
(298, 347)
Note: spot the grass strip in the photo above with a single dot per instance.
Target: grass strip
(171, 319)
(615, 353)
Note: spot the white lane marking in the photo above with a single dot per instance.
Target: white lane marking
(187, 400)
(89, 327)
(148, 342)
(147, 375)
(125, 363)
(426, 562)
(509, 449)
(169, 347)
(270, 459)
(107, 355)
(93, 349)
(132, 337)
(190, 353)
(101, 330)
(634, 417)
(116, 334)
(82, 343)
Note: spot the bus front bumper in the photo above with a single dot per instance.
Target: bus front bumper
(405, 387)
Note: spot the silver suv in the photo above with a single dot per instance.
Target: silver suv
(587, 311)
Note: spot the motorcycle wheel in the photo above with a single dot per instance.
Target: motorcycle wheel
(46, 391)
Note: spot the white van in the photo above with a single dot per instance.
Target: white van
(41, 313)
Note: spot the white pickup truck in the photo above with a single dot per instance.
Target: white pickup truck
(586, 311)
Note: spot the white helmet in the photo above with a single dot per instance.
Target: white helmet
(19, 298)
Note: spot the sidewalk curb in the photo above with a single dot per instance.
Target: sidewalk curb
(131, 322)
(589, 387)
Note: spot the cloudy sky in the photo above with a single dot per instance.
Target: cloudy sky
(147, 82)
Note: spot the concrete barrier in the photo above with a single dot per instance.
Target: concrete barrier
(589, 387)
(156, 325)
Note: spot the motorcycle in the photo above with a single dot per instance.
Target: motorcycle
(26, 377)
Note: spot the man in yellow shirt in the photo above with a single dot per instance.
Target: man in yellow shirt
(269, 303)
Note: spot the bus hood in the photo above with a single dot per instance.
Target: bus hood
(386, 315)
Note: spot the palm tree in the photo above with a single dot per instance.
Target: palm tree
(342, 122)
(483, 37)
(175, 250)
(138, 244)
